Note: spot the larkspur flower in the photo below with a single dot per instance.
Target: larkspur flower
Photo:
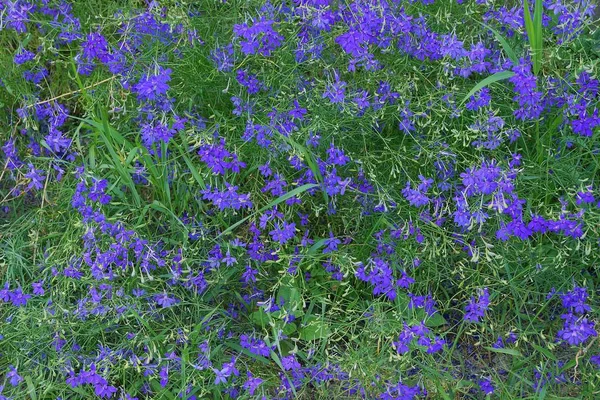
(259, 37)
(283, 232)
(13, 376)
(486, 386)
(164, 300)
(36, 179)
(476, 308)
(152, 86)
(576, 330)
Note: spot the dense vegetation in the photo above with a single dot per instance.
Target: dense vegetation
(312, 199)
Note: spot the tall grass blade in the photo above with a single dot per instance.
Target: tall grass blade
(498, 76)
(539, 35)
(507, 48)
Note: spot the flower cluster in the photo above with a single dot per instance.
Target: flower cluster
(188, 218)
(577, 327)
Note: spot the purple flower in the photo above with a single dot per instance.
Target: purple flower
(575, 300)
(13, 377)
(165, 300)
(164, 376)
(12, 157)
(479, 100)
(576, 330)
(249, 81)
(23, 56)
(290, 363)
(249, 275)
(223, 58)
(526, 94)
(259, 38)
(18, 298)
(219, 159)
(95, 46)
(255, 346)
(252, 383)
(335, 91)
(153, 86)
(283, 232)
(584, 197)
(35, 177)
(400, 391)
(379, 273)
(486, 386)
(228, 198)
(38, 288)
(476, 308)
(331, 244)
(105, 390)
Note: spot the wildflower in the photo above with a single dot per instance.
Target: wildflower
(165, 300)
(35, 178)
(23, 56)
(249, 81)
(255, 346)
(486, 386)
(400, 391)
(331, 244)
(283, 232)
(13, 376)
(38, 288)
(476, 308)
(259, 38)
(576, 330)
(164, 376)
(228, 198)
(104, 390)
(479, 100)
(575, 300)
(336, 91)
(252, 383)
(249, 275)
(153, 86)
(223, 58)
(18, 298)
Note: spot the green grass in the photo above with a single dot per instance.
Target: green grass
(340, 323)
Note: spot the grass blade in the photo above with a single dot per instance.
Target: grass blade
(498, 76)
(539, 37)
(507, 49)
(278, 200)
(105, 135)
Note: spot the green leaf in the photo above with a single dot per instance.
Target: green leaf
(160, 392)
(539, 34)
(191, 167)
(310, 161)
(498, 76)
(545, 352)
(507, 49)
(436, 320)
(510, 352)
(314, 329)
(278, 200)
(30, 388)
(288, 329)
(316, 246)
(533, 26)
(260, 318)
(106, 134)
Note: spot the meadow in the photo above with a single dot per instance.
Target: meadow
(299, 199)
